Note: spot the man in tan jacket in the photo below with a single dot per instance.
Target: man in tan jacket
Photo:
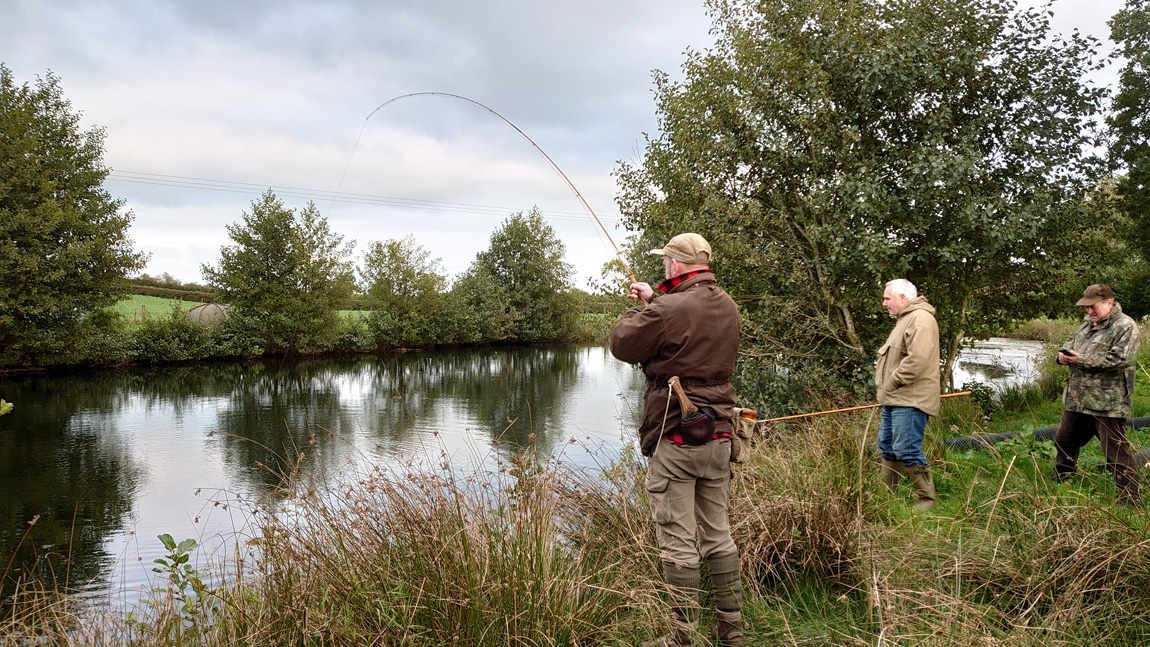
(907, 379)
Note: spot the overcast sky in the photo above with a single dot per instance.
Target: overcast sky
(209, 103)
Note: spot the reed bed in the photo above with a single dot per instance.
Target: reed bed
(538, 553)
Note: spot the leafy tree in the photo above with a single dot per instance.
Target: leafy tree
(483, 308)
(1130, 125)
(285, 276)
(1108, 253)
(406, 288)
(525, 259)
(827, 147)
(64, 246)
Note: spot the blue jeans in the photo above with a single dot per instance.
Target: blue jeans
(900, 435)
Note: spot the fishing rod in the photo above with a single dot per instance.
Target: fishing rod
(858, 408)
(618, 254)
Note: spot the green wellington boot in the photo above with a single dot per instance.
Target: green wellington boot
(892, 473)
(924, 484)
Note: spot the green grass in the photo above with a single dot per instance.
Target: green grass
(130, 307)
(591, 326)
(534, 553)
(538, 554)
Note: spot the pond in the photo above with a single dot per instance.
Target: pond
(122, 456)
(105, 461)
(999, 362)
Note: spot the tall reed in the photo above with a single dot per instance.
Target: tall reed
(533, 554)
(536, 553)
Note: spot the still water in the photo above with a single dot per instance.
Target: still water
(106, 460)
(122, 456)
(999, 362)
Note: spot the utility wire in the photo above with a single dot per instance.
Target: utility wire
(227, 186)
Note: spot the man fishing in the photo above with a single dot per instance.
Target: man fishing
(1098, 397)
(690, 332)
(906, 377)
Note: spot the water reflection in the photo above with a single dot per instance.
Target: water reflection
(65, 476)
(999, 362)
(125, 452)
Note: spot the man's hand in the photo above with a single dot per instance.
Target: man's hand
(1067, 356)
(641, 292)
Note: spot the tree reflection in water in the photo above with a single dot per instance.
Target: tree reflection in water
(124, 451)
(76, 479)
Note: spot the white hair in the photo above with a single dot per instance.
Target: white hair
(903, 287)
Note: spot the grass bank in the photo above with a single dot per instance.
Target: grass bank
(149, 330)
(536, 553)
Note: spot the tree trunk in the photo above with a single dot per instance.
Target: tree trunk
(953, 347)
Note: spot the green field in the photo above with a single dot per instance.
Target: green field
(132, 305)
(137, 306)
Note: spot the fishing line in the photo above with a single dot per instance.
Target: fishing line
(618, 254)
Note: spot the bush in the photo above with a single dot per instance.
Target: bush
(594, 328)
(100, 341)
(1043, 329)
(173, 338)
(173, 293)
(237, 337)
(489, 315)
(354, 336)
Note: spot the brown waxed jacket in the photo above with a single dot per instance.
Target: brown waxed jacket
(692, 332)
(907, 371)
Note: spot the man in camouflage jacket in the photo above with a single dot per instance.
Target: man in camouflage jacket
(1097, 400)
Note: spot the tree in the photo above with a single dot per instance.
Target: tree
(64, 246)
(525, 259)
(481, 307)
(1110, 254)
(286, 275)
(1130, 125)
(825, 148)
(406, 289)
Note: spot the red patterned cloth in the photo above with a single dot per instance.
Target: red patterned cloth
(722, 430)
(669, 284)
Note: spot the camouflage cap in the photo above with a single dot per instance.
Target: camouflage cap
(1094, 294)
(692, 249)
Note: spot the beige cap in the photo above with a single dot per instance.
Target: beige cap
(1094, 294)
(692, 249)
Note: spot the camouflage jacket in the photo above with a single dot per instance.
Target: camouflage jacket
(1102, 383)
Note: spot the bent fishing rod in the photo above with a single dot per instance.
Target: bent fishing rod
(618, 254)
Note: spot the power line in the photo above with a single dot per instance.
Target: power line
(316, 195)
